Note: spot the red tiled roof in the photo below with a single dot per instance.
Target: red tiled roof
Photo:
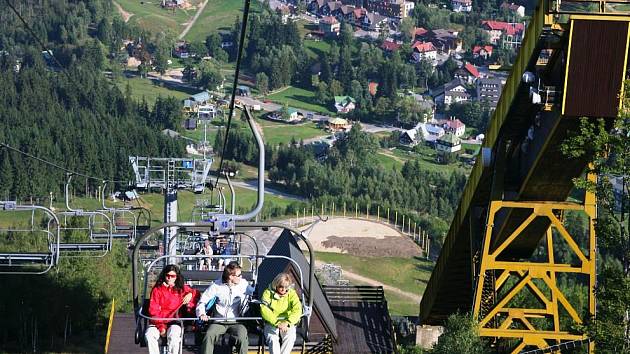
(390, 46)
(329, 20)
(487, 48)
(471, 69)
(422, 47)
(418, 31)
(455, 123)
(509, 28)
(372, 86)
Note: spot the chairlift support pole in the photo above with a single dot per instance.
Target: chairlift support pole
(233, 196)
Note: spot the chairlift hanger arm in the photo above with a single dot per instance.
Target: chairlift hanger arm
(261, 169)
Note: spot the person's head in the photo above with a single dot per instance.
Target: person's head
(171, 276)
(231, 274)
(281, 284)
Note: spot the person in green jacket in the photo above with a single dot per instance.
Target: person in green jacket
(281, 310)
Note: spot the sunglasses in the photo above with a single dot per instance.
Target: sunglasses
(171, 276)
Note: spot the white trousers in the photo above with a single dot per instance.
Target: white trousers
(273, 336)
(173, 337)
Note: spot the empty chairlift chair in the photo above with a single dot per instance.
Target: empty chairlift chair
(28, 249)
(92, 228)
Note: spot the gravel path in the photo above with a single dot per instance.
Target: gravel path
(192, 22)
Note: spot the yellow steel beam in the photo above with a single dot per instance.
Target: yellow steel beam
(498, 321)
(509, 296)
(538, 268)
(554, 298)
(516, 312)
(563, 300)
(521, 333)
(513, 236)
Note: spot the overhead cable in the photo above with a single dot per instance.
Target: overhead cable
(234, 86)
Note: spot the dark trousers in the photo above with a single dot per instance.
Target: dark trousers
(215, 331)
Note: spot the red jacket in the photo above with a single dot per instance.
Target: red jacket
(166, 301)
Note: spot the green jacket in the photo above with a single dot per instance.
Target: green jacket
(288, 308)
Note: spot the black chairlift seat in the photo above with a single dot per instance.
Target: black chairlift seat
(193, 335)
(18, 259)
(81, 247)
(114, 236)
(123, 227)
(149, 247)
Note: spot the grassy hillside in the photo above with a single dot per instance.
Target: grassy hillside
(407, 274)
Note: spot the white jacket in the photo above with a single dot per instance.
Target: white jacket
(229, 298)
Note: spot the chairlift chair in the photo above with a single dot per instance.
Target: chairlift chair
(97, 227)
(31, 261)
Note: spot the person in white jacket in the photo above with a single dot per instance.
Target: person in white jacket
(228, 294)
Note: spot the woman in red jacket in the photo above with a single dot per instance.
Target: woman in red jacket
(170, 298)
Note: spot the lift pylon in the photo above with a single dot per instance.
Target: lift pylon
(503, 284)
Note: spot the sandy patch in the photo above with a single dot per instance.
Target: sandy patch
(361, 238)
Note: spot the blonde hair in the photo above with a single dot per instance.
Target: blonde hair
(282, 279)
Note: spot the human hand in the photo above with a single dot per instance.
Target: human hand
(163, 332)
(186, 298)
(204, 318)
(283, 327)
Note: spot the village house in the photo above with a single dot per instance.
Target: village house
(461, 5)
(468, 73)
(373, 22)
(181, 50)
(399, 9)
(448, 143)
(454, 126)
(344, 104)
(411, 137)
(434, 132)
(508, 35)
(329, 26)
(171, 4)
(345, 13)
(451, 92)
(423, 50)
(207, 112)
(192, 103)
(445, 40)
(285, 12)
(389, 46)
(338, 124)
(489, 90)
(292, 115)
(484, 51)
(330, 7)
(417, 33)
(513, 8)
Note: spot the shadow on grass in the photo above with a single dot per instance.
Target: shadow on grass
(175, 87)
(423, 265)
(318, 52)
